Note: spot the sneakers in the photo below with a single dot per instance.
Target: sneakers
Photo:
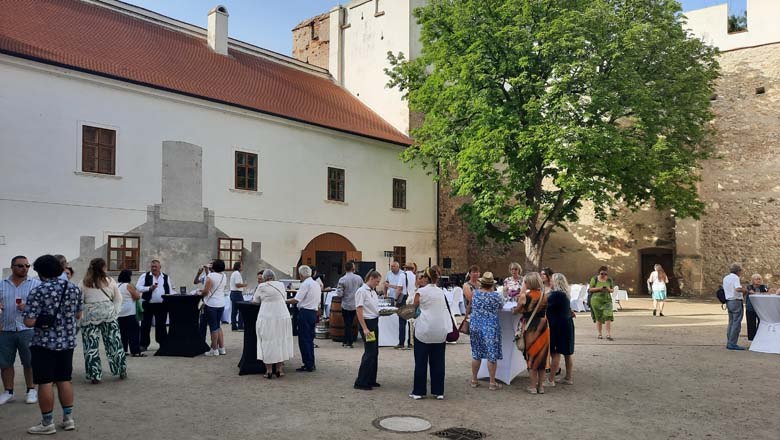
(399, 347)
(32, 396)
(735, 347)
(547, 383)
(222, 351)
(415, 397)
(6, 397)
(68, 424)
(440, 397)
(214, 352)
(42, 429)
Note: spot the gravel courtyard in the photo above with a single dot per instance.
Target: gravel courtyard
(661, 378)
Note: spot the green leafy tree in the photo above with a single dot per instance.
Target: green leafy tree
(532, 107)
(737, 23)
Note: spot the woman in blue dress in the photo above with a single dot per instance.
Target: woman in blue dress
(485, 331)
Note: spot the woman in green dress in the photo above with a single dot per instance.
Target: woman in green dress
(600, 294)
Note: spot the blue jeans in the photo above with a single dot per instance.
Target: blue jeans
(236, 320)
(306, 320)
(734, 306)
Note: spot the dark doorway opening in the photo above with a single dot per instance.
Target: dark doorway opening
(330, 264)
(664, 257)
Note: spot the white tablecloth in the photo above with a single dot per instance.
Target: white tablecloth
(513, 364)
(388, 330)
(767, 339)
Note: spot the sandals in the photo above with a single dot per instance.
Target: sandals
(474, 384)
(601, 337)
(540, 391)
(532, 390)
(495, 386)
(609, 338)
(269, 375)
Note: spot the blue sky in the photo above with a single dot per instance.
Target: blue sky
(268, 23)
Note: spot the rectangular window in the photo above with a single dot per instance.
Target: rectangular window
(98, 150)
(123, 252)
(336, 184)
(246, 171)
(399, 254)
(231, 250)
(399, 193)
(737, 16)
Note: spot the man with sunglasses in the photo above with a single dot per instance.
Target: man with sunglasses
(14, 335)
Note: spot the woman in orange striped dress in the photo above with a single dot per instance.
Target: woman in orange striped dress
(537, 336)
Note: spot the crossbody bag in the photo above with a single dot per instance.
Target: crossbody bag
(521, 329)
(46, 321)
(203, 304)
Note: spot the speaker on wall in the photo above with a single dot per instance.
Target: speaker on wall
(447, 263)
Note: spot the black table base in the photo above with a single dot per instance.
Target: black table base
(249, 364)
(183, 335)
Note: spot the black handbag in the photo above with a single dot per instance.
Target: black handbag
(46, 321)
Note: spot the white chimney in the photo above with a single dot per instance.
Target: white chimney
(218, 30)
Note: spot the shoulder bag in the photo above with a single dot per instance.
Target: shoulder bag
(213, 291)
(455, 333)
(46, 321)
(521, 329)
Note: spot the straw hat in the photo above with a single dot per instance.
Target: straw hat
(487, 279)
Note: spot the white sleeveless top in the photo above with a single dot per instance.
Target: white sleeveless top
(219, 288)
(128, 305)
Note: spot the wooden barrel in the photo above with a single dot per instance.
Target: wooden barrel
(337, 321)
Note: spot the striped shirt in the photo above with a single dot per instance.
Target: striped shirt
(12, 319)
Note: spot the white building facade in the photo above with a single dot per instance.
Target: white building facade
(181, 189)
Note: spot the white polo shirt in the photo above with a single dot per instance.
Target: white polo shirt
(236, 278)
(730, 285)
(367, 298)
(309, 295)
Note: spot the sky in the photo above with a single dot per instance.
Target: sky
(269, 23)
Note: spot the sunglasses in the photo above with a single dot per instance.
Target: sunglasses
(20, 266)
(603, 273)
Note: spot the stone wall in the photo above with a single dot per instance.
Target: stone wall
(741, 188)
(311, 41)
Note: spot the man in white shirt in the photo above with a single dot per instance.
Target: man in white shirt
(153, 285)
(236, 294)
(308, 300)
(733, 290)
(394, 282)
(409, 279)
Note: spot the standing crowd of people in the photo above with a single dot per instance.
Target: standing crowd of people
(41, 318)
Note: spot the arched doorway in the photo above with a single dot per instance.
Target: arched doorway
(328, 252)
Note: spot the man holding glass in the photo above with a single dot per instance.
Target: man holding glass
(14, 335)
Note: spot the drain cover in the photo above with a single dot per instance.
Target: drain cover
(402, 424)
(460, 434)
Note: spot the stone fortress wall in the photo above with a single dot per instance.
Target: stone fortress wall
(739, 188)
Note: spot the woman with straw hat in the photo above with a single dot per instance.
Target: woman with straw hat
(484, 329)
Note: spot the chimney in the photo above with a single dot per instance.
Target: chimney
(218, 30)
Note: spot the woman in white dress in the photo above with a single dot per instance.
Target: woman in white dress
(274, 327)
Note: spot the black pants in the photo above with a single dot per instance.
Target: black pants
(370, 362)
(752, 322)
(402, 325)
(159, 312)
(349, 319)
(236, 320)
(203, 326)
(425, 355)
(306, 321)
(128, 329)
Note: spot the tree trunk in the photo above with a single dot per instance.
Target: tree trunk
(534, 249)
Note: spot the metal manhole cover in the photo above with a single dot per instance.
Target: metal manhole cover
(402, 424)
(459, 434)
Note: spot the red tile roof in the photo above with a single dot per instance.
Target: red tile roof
(110, 43)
